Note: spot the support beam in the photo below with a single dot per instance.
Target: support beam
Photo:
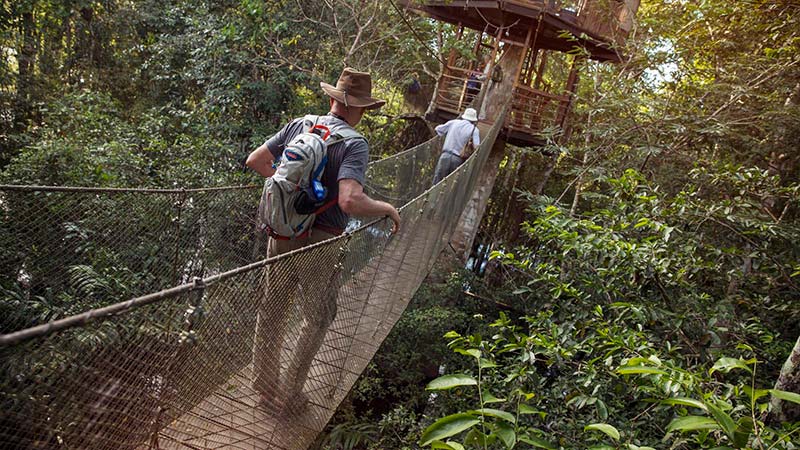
(470, 220)
(572, 86)
(788, 380)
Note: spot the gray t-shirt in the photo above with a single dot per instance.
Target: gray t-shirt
(346, 160)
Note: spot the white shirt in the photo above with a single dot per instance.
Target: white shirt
(458, 132)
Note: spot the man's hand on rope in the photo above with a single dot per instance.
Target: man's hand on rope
(355, 202)
(395, 216)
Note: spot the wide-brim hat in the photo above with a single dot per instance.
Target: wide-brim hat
(470, 114)
(353, 88)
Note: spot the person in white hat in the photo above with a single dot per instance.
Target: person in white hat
(455, 150)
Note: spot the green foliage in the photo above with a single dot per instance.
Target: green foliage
(593, 380)
(350, 436)
(643, 244)
(638, 341)
(188, 88)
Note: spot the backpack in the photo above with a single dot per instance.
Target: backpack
(294, 195)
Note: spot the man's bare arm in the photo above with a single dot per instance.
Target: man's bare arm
(354, 201)
(261, 160)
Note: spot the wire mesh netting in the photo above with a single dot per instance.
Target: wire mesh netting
(243, 352)
(78, 249)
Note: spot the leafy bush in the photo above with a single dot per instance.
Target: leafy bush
(606, 381)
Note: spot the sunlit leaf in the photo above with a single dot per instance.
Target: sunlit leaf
(450, 381)
(497, 413)
(726, 364)
(489, 398)
(685, 402)
(448, 426)
(692, 423)
(784, 395)
(449, 445)
(609, 430)
(469, 352)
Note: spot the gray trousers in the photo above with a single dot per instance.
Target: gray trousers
(448, 162)
(279, 319)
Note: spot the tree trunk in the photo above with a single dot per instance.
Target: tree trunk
(470, 220)
(530, 171)
(497, 97)
(25, 59)
(788, 380)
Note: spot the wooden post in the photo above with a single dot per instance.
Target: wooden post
(517, 74)
(451, 58)
(572, 84)
(492, 56)
(531, 67)
(522, 62)
(540, 70)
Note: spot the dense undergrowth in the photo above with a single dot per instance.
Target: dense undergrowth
(625, 331)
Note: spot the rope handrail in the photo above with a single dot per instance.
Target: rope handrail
(90, 189)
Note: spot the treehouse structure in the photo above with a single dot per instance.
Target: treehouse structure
(526, 52)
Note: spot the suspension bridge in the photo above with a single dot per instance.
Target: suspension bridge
(161, 293)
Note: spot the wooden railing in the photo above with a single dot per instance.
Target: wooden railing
(456, 90)
(533, 110)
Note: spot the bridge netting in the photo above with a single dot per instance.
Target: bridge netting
(131, 318)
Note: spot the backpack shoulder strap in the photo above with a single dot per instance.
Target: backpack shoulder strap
(344, 134)
(309, 121)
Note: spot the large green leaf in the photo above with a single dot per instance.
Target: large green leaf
(726, 364)
(524, 408)
(469, 352)
(691, 423)
(755, 394)
(500, 414)
(448, 426)
(630, 370)
(449, 445)
(487, 364)
(506, 434)
(724, 420)
(684, 401)
(784, 395)
(475, 438)
(451, 381)
(489, 398)
(744, 428)
(609, 430)
(536, 442)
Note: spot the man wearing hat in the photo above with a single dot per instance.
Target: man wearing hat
(344, 178)
(459, 132)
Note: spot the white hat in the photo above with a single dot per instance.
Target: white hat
(470, 114)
